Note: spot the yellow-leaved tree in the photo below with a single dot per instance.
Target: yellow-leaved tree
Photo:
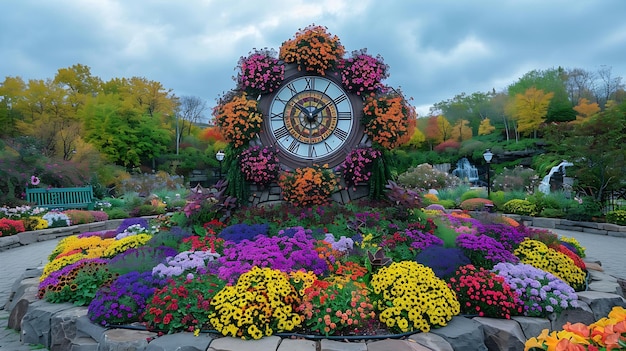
(461, 131)
(530, 109)
(585, 109)
(485, 127)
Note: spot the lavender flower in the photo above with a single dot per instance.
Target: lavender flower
(184, 262)
(343, 244)
(540, 291)
(142, 222)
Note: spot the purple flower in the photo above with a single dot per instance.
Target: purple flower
(142, 222)
(554, 295)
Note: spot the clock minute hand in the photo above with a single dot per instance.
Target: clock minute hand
(318, 110)
(303, 109)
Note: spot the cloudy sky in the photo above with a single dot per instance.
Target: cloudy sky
(435, 49)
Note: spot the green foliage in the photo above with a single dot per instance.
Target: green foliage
(555, 200)
(453, 194)
(381, 172)
(117, 213)
(586, 210)
(447, 203)
(616, 217)
(474, 193)
(520, 207)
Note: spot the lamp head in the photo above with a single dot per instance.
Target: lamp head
(488, 155)
(220, 155)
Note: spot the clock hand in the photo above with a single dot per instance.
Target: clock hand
(318, 110)
(303, 109)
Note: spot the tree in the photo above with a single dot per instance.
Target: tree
(550, 81)
(432, 134)
(445, 129)
(579, 84)
(529, 109)
(485, 127)
(607, 85)
(461, 131)
(11, 94)
(125, 135)
(585, 109)
(190, 110)
(416, 139)
(596, 149)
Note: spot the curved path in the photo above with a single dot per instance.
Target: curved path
(609, 250)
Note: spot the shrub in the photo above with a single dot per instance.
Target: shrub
(80, 216)
(99, 216)
(447, 203)
(117, 213)
(616, 217)
(35, 223)
(426, 176)
(584, 210)
(520, 207)
(517, 178)
(11, 227)
(475, 204)
(473, 193)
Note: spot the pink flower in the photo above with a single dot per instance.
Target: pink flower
(34, 180)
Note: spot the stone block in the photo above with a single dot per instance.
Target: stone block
(85, 328)
(600, 303)
(83, 344)
(17, 313)
(333, 345)
(36, 322)
(395, 345)
(269, 343)
(180, 342)
(63, 328)
(545, 222)
(610, 227)
(532, 326)
(297, 345)
(28, 237)
(431, 341)
(580, 314)
(125, 339)
(9, 242)
(463, 334)
(27, 292)
(601, 276)
(607, 287)
(502, 334)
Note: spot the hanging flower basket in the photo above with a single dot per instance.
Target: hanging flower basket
(389, 119)
(313, 49)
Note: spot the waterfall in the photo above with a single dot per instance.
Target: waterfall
(465, 170)
(544, 186)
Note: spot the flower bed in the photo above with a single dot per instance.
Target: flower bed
(331, 275)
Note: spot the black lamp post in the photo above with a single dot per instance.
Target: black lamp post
(220, 157)
(488, 156)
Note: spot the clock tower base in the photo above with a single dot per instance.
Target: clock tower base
(272, 195)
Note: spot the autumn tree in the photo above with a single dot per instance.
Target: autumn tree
(461, 131)
(529, 109)
(11, 94)
(437, 130)
(417, 139)
(585, 109)
(485, 127)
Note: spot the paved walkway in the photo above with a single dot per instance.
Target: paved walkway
(610, 251)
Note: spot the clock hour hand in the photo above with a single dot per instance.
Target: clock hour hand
(303, 109)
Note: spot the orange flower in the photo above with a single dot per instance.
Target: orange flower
(389, 120)
(238, 119)
(313, 49)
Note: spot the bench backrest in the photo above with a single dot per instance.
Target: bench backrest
(61, 197)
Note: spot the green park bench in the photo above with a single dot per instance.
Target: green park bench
(62, 198)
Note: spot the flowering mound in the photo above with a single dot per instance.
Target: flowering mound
(541, 292)
(308, 186)
(389, 119)
(410, 297)
(484, 293)
(539, 255)
(260, 72)
(262, 303)
(260, 165)
(313, 49)
(238, 119)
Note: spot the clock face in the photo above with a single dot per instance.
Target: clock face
(311, 118)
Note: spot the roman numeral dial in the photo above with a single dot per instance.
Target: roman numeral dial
(310, 117)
